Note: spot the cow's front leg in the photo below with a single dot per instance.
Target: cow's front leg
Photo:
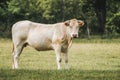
(65, 53)
(57, 49)
(66, 60)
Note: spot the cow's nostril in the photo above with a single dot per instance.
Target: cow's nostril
(74, 35)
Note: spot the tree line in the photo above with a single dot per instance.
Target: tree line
(100, 16)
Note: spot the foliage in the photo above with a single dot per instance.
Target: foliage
(113, 18)
(113, 25)
(52, 11)
(24, 9)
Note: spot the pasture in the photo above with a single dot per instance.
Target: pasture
(95, 59)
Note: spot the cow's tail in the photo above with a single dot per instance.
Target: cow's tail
(13, 56)
(12, 48)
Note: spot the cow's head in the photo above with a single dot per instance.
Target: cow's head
(73, 26)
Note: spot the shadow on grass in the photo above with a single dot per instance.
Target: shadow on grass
(59, 74)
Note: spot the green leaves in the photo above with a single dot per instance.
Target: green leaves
(113, 23)
(53, 11)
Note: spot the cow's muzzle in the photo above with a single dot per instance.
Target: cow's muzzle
(74, 35)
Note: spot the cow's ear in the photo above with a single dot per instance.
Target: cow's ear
(81, 23)
(67, 23)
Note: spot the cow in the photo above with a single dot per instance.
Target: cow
(42, 37)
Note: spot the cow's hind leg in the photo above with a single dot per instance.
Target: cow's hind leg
(16, 53)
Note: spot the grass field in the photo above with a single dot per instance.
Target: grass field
(95, 59)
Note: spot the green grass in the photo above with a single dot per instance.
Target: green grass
(58, 75)
(95, 59)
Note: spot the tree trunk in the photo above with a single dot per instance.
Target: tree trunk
(100, 8)
(88, 29)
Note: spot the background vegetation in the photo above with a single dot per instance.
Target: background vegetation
(100, 16)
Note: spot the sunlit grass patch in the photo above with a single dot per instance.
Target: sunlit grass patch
(95, 56)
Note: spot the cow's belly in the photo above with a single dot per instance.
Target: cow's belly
(43, 48)
(41, 45)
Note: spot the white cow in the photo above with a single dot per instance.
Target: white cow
(44, 37)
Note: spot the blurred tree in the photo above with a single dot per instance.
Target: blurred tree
(52, 11)
(113, 17)
(4, 21)
(100, 8)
